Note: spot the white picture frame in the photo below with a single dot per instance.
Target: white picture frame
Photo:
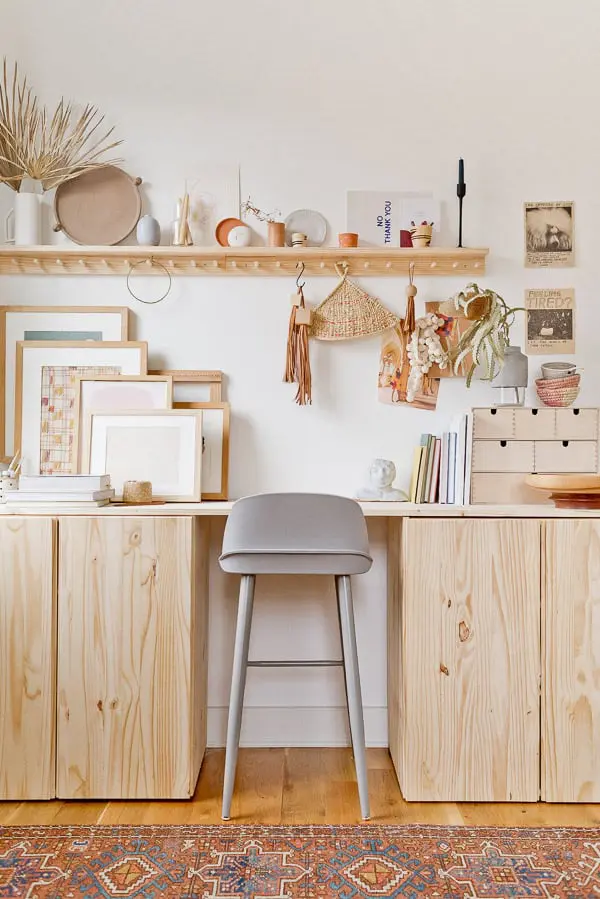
(97, 323)
(33, 356)
(215, 454)
(163, 447)
(110, 393)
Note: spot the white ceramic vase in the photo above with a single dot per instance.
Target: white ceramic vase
(23, 225)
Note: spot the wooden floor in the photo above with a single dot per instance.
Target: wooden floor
(297, 786)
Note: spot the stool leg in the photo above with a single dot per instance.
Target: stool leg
(355, 709)
(238, 684)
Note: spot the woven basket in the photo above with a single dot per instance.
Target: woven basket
(558, 392)
(350, 312)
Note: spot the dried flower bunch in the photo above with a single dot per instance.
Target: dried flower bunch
(47, 148)
(248, 208)
(424, 350)
(488, 336)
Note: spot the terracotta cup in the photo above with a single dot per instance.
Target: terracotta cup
(276, 234)
(348, 239)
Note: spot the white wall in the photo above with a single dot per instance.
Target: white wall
(312, 99)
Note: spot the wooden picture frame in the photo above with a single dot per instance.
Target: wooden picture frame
(215, 478)
(85, 404)
(151, 454)
(20, 322)
(213, 378)
(35, 357)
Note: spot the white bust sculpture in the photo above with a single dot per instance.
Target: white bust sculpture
(381, 477)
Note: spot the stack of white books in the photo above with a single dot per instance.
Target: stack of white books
(81, 490)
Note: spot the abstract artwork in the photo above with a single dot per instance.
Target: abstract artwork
(57, 423)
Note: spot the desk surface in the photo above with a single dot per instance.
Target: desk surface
(371, 510)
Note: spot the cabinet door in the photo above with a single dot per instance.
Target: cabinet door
(571, 684)
(132, 657)
(469, 683)
(27, 657)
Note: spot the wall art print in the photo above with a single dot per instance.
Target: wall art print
(57, 423)
(394, 371)
(549, 235)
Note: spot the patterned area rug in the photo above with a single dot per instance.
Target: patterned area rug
(256, 861)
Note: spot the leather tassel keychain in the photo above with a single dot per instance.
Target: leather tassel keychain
(408, 324)
(297, 364)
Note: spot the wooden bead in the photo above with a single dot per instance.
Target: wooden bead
(411, 290)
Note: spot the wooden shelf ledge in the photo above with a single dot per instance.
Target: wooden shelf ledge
(250, 261)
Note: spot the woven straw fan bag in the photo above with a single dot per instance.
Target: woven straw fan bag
(349, 312)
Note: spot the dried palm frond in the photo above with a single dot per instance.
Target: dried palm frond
(49, 149)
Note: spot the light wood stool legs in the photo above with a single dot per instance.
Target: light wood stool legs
(353, 691)
(238, 685)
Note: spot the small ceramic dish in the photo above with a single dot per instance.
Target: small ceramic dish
(224, 227)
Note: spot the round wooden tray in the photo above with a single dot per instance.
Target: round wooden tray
(565, 483)
(98, 208)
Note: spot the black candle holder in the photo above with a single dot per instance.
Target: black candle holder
(461, 190)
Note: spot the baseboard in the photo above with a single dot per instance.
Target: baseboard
(273, 726)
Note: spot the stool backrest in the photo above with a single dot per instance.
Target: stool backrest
(296, 523)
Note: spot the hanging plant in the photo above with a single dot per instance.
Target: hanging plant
(487, 338)
(424, 350)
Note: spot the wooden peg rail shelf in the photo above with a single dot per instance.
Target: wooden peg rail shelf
(257, 261)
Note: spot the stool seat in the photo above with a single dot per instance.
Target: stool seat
(296, 533)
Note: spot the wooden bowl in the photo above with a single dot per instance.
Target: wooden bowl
(569, 491)
(565, 483)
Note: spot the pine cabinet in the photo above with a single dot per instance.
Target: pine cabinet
(27, 657)
(132, 609)
(571, 694)
(464, 658)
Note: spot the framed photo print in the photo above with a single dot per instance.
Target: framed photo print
(188, 384)
(89, 323)
(215, 448)
(164, 448)
(46, 373)
(111, 393)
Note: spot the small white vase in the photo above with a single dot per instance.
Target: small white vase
(23, 225)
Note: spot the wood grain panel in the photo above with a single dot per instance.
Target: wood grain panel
(394, 643)
(470, 670)
(27, 658)
(128, 641)
(571, 686)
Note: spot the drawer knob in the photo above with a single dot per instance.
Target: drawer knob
(503, 443)
(565, 443)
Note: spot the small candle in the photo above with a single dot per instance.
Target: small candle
(461, 172)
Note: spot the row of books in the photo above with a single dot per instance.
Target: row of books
(442, 465)
(81, 490)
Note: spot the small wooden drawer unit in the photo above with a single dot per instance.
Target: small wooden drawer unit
(512, 442)
(503, 455)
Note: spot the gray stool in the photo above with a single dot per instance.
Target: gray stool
(296, 533)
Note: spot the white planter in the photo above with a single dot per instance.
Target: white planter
(24, 221)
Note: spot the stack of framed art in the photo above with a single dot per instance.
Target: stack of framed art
(78, 398)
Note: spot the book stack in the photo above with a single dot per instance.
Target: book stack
(80, 490)
(442, 465)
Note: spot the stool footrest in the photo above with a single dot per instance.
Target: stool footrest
(301, 663)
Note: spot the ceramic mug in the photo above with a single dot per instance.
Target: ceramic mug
(299, 239)
(348, 239)
(26, 220)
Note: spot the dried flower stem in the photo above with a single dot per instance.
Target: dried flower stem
(50, 149)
